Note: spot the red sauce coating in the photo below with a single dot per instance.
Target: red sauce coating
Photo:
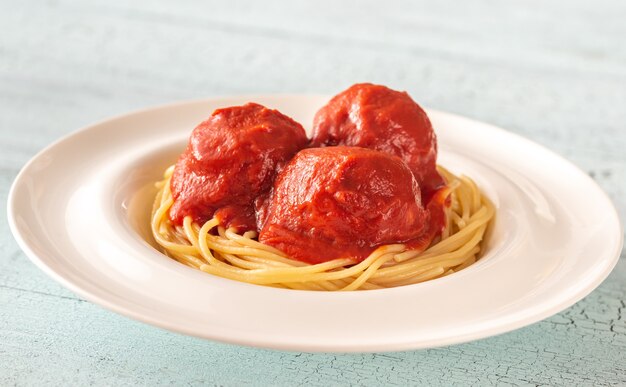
(376, 117)
(342, 202)
(230, 161)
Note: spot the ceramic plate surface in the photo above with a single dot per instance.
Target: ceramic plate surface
(80, 210)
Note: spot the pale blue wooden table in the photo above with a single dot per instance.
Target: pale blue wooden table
(554, 72)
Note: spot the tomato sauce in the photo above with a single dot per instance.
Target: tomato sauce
(376, 117)
(367, 177)
(230, 160)
(342, 202)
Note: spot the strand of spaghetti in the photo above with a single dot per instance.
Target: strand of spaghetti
(460, 239)
(241, 241)
(166, 198)
(311, 269)
(177, 235)
(242, 263)
(327, 285)
(453, 184)
(448, 211)
(477, 197)
(458, 220)
(230, 234)
(342, 282)
(258, 245)
(393, 270)
(469, 261)
(474, 190)
(370, 286)
(278, 286)
(157, 199)
(204, 248)
(190, 260)
(231, 273)
(426, 276)
(163, 207)
(250, 234)
(305, 286)
(223, 263)
(419, 261)
(290, 274)
(453, 260)
(353, 270)
(338, 284)
(160, 199)
(276, 257)
(368, 272)
(161, 240)
(455, 206)
(191, 234)
(343, 262)
(452, 242)
(266, 261)
(331, 285)
(465, 201)
(482, 216)
(169, 171)
(436, 272)
(167, 192)
(218, 243)
(187, 259)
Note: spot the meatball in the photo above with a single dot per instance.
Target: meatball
(341, 202)
(376, 117)
(230, 160)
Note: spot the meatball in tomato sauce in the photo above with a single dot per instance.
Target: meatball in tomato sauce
(341, 202)
(376, 117)
(230, 160)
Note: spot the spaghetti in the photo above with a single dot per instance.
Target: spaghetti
(222, 252)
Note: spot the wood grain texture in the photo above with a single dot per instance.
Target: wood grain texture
(554, 72)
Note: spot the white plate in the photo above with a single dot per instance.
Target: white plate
(80, 211)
